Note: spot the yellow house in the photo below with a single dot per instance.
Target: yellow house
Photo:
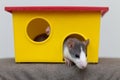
(30, 21)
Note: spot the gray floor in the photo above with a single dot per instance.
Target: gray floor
(106, 69)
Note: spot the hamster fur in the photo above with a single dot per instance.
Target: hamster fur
(75, 51)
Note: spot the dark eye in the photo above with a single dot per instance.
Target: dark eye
(77, 56)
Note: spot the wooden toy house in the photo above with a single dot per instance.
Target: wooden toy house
(30, 21)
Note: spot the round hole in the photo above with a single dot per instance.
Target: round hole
(38, 30)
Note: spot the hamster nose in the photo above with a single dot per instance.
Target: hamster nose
(83, 67)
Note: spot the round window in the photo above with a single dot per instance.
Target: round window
(38, 29)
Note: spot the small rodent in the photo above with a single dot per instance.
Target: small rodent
(75, 52)
(43, 36)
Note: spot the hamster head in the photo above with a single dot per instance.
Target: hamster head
(77, 50)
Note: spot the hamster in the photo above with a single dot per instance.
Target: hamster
(75, 52)
(43, 36)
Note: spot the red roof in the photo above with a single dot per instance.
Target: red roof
(57, 8)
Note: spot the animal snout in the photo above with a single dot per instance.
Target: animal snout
(81, 64)
(84, 64)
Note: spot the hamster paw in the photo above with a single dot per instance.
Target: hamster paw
(68, 62)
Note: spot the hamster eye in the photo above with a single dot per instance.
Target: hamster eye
(77, 56)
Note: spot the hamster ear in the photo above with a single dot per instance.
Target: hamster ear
(70, 44)
(86, 42)
(47, 30)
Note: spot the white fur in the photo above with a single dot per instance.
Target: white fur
(66, 53)
(81, 62)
